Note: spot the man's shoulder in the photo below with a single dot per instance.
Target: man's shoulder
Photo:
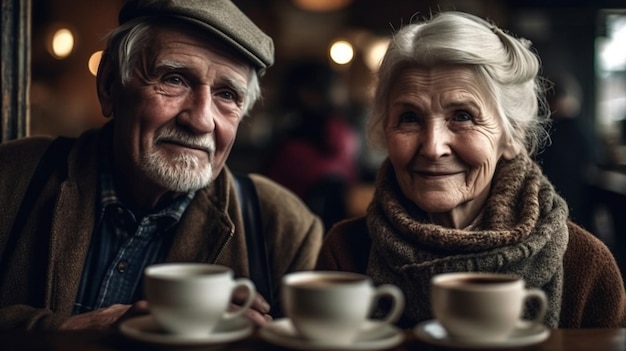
(24, 153)
(26, 144)
(283, 206)
(271, 192)
(33, 147)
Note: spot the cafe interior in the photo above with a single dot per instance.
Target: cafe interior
(585, 38)
(51, 49)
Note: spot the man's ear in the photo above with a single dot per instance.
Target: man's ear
(105, 79)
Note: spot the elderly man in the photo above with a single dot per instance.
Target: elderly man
(78, 227)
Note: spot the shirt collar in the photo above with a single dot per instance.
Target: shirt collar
(108, 196)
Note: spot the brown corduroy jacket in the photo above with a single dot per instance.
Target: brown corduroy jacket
(41, 275)
(593, 292)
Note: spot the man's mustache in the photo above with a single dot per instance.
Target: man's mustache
(204, 143)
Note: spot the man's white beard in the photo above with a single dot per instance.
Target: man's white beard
(183, 173)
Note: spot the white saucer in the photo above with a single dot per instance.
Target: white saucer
(433, 333)
(145, 329)
(374, 335)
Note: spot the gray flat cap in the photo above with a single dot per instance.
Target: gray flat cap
(220, 17)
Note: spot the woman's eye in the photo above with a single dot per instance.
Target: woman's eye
(462, 117)
(407, 117)
(227, 95)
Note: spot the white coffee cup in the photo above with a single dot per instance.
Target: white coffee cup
(331, 307)
(190, 299)
(483, 307)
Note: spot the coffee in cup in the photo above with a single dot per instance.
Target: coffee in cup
(483, 307)
(190, 299)
(331, 307)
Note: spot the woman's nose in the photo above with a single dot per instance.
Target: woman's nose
(434, 141)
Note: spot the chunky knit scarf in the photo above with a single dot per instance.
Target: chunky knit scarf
(521, 231)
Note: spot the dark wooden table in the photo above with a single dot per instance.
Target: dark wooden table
(559, 340)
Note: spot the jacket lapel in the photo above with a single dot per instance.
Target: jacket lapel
(205, 230)
(72, 226)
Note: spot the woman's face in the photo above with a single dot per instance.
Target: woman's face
(444, 139)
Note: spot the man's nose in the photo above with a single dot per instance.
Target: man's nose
(198, 114)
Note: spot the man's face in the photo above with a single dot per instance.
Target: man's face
(176, 119)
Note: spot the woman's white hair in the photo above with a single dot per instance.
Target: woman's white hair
(505, 65)
(130, 42)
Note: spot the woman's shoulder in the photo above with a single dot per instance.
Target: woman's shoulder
(346, 246)
(593, 289)
(586, 252)
(349, 230)
(583, 245)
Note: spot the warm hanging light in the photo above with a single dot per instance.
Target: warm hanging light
(321, 5)
(62, 43)
(341, 52)
(375, 52)
(94, 62)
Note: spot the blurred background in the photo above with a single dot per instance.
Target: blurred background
(320, 88)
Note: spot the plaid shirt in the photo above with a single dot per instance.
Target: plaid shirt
(122, 245)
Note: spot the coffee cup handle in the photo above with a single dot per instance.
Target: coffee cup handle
(397, 301)
(249, 285)
(541, 298)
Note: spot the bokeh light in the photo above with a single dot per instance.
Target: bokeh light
(94, 61)
(375, 52)
(341, 52)
(62, 43)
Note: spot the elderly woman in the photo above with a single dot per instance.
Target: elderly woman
(458, 109)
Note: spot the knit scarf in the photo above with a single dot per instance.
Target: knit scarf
(522, 231)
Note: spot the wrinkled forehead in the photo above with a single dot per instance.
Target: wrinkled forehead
(441, 77)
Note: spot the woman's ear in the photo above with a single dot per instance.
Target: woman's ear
(511, 149)
(105, 79)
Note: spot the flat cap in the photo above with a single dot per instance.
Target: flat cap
(222, 18)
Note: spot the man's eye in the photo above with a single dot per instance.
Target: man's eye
(176, 80)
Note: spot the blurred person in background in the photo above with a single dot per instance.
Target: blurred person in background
(568, 156)
(457, 108)
(317, 152)
(151, 185)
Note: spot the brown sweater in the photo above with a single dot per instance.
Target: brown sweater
(38, 285)
(593, 290)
